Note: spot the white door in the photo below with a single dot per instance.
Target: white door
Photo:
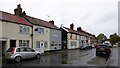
(42, 47)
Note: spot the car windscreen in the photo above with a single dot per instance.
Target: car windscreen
(10, 49)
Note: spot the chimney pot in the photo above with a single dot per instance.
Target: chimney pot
(79, 29)
(24, 13)
(72, 26)
(51, 22)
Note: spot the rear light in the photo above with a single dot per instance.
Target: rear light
(13, 50)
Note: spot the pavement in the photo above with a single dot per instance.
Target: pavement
(113, 59)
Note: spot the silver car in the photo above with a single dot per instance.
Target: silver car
(19, 53)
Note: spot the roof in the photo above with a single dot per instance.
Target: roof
(13, 18)
(40, 22)
(77, 32)
(71, 31)
(85, 33)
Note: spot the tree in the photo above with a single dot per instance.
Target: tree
(114, 38)
(101, 38)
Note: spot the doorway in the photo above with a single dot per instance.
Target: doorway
(42, 47)
(3, 45)
(12, 43)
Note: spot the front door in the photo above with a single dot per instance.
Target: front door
(12, 43)
(3, 46)
(42, 47)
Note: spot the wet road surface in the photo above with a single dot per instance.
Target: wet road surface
(63, 58)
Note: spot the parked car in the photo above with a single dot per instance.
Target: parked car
(118, 44)
(103, 49)
(93, 46)
(89, 46)
(83, 47)
(109, 44)
(19, 53)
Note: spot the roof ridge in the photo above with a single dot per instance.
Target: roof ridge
(41, 22)
(14, 18)
(37, 18)
(7, 13)
(70, 29)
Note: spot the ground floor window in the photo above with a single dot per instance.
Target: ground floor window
(54, 43)
(38, 44)
(73, 43)
(45, 44)
(24, 43)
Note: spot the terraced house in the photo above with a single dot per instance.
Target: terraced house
(16, 31)
(72, 39)
(85, 37)
(21, 30)
(46, 36)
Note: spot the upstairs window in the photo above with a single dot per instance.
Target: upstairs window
(24, 29)
(40, 30)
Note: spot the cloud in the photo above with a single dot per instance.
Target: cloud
(95, 16)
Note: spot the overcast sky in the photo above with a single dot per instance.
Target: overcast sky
(94, 16)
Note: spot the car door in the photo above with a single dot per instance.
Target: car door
(31, 52)
(24, 53)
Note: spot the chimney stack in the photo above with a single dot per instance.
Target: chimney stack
(79, 29)
(51, 22)
(24, 14)
(18, 10)
(72, 26)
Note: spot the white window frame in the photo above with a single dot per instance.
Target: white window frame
(23, 43)
(24, 29)
(45, 44)
(37, 44)
(40, 31)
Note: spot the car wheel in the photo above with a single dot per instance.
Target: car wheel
(38, 56)
(17, 59)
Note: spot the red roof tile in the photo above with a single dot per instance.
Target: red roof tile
(40, 22)
(13, 18)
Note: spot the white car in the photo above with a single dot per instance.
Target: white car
(19, 53)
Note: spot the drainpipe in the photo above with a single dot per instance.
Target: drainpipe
(32, 37)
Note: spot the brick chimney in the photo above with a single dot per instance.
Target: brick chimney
(18, 10)
(51, 22)
(72, 26)
(23, 14)
(79, 29)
